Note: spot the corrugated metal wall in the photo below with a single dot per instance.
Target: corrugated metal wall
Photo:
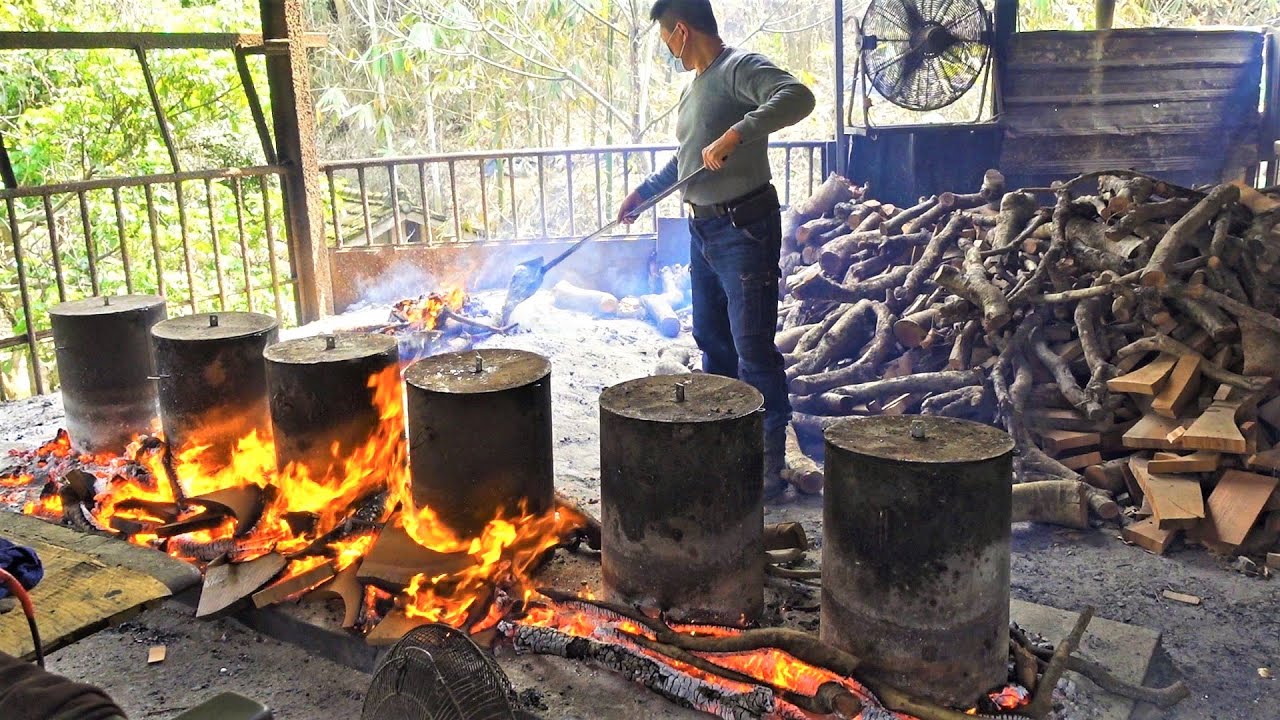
(1181, 104)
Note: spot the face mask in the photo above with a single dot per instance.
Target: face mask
(673, 58)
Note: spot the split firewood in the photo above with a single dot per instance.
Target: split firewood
(820, 287)
(1165, 344)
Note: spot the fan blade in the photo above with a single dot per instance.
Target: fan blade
(955, 21)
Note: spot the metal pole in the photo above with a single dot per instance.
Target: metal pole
(6, 168)
(842, 155)
(158, 108)
(289, 80)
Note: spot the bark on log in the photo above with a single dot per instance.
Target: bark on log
(1208, 317)
(932, 255)
(1239, 309)
(962, 350)
(834, 189)
(820, 287)
(875, 353)
(894, 225)
(1156, 273)
(1108, 476)
(803, 472)
(846, 336)
(1145, 213)
(837, 255)
(718, 698)
(974, 285)
(912, 329)
(955, 403)
(1071, 390)
(920, 382)
(1016, 211)
(1053, 502)
(661, 315)
(1087, 313)
(786, 340)
(571, 297)
(867, 268)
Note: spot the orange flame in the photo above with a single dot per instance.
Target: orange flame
(423, 312)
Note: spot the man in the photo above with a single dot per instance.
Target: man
(723, 123)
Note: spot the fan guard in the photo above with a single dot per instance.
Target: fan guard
(925, 54)
(436, 672)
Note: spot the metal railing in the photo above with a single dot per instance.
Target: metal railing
(208, 240)
(515, 195)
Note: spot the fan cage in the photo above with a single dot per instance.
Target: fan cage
(436, 672)
(924, 54)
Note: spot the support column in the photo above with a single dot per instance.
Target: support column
(293, 117)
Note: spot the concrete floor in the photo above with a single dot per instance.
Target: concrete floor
(1216, 647)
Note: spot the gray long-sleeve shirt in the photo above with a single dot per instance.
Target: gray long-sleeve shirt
(741, 90)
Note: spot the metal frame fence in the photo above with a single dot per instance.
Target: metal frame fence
(80, 239)
(515, 195)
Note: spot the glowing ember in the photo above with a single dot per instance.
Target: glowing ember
(423, 312)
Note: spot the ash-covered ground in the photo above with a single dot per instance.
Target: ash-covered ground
(1217, 648)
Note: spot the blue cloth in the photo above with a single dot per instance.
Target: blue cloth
(734, 273)
(22, 563)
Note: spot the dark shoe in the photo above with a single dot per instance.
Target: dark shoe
(775, 461)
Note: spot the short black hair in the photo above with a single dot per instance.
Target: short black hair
(697, 14)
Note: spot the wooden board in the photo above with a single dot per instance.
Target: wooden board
(1176, 502)
(1151, 433)
(1216, 430)
(1146, 380)
(1180, 389)
(1273, 561)
(77, 597)
(227, 584)
(1080, 462)
(283, 589)
(1197, 462)
(1268, 460)
(1057, 442)
(1270, 413)
(1147, 535)
(1235, 504)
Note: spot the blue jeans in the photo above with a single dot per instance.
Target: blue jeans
(734, 273)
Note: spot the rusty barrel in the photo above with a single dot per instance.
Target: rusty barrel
(213, 380)
(915, 554)
(480, 436)
(681, 463)
(319, 393)
(107, 368)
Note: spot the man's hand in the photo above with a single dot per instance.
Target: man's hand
(714, 155)
(629, 205)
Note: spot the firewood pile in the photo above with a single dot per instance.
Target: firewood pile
(1121, 328)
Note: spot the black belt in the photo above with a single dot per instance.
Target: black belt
(706, 212)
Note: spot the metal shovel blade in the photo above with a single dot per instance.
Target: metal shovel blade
(525, 281)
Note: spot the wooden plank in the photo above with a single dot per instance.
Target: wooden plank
(1268, 460)
(1151, 433)
(1197, 462)
(1273, 502)
(1135, 488)
(1183, 598)
(1216, 430)
(1235, 504)
(78, 599)
(1180, 389)
(227, 584)
(26, 530)
(1080, 462)
(1273, 560)
(1057, 442)
(290, 586)
(1176, 502)
(1146, 380)
(1147, 535)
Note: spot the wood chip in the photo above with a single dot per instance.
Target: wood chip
(156, 654)
(1181, 597)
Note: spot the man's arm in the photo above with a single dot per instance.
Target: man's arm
(780, 99)
(660, 180)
